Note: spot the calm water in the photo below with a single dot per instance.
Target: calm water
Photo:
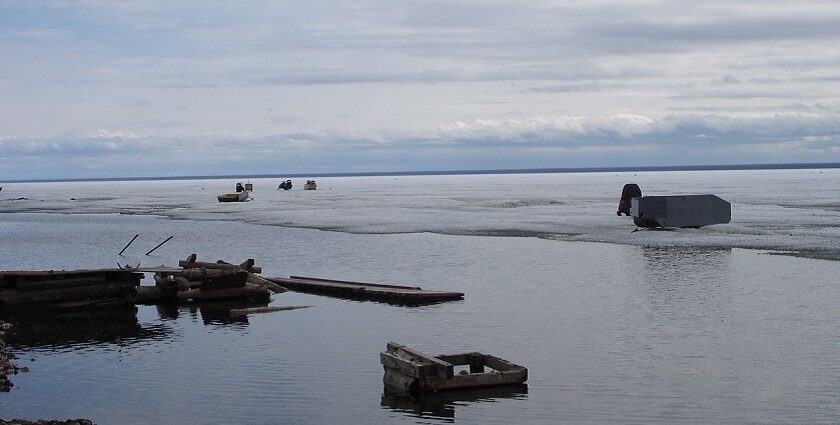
(610, 333)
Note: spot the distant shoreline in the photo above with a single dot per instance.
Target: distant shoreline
(805, 166)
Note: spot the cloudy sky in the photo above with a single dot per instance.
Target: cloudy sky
(93, 88)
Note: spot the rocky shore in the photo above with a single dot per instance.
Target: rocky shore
(7, 368)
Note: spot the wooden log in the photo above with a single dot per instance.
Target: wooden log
(249, 291)
(236, 312)
(35, 285)
(191, 262)
(228, 279)
(194, 274)
(271, 286)
(184, 284)
(12, 298)
(441, 368)
(406, 366)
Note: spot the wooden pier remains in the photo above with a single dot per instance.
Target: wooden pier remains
(198, 281)
(392, 294)
(410, 371)
(67, 291)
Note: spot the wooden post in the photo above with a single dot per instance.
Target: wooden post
(159, 245)
(129, 243)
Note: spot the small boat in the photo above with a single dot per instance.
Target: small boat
(234, 197)
(241, 195)
(310, 185)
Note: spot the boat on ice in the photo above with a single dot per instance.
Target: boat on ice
(310, 185)
(241, 194)
(673, 211)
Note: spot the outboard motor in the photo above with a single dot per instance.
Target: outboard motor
(631, 190)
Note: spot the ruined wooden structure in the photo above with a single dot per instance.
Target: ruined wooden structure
(392, 294)
(199, 281)
(67, 291)
(410, 371)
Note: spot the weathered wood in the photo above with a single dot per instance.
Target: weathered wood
(249, 291)
(12, 298)
(129, 243)
(184, 284)
(36, 285)
(357, 290)
(402, 370)
(271, 286)
(228, 279)
(371, 285)
(191, 262)
(406, 366)
(159, 245)
(150, 295)
(438, 367)
(235, 312)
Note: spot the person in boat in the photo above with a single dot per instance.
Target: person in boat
(239, 187)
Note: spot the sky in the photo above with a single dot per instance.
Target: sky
(94, 88)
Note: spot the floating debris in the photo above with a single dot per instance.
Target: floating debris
(410, 371)
(392, 294)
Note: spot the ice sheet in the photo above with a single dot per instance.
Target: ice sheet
(785, 210)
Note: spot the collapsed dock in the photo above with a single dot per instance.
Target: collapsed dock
(64, 291)
(410, 371)
(391, 294)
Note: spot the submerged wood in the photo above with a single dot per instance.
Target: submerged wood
(249, 292)
(408, 370)
(403, 295)
(258, 310)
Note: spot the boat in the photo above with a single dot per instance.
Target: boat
(234, 197)
(310, 185)
(241, 194)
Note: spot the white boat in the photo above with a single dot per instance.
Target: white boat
(310, 185)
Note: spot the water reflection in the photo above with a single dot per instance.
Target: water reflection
(443, 405)
(210, 313)
(679, 280)
(119, 327)
(116, 328)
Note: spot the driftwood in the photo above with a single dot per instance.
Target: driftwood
(255, 310)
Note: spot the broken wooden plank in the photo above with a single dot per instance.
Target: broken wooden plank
(401, 295)
(234, 312)
(438, 367)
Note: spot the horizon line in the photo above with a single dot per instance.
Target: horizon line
(706, 167)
